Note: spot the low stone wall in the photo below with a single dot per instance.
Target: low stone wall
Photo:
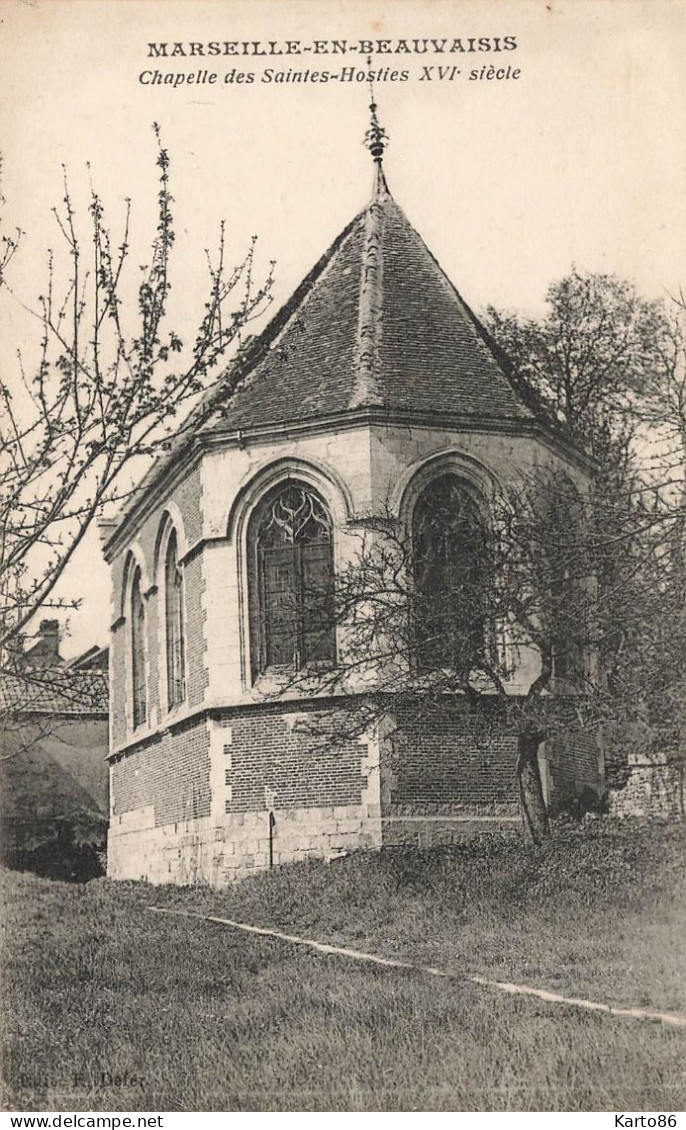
(654, 789)
(202, 852)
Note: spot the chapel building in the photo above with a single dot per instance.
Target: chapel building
(373, 392)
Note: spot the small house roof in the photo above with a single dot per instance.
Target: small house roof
(55, 691)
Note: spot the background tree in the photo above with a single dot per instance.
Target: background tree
(610, 368)
(586, 582)
(593, 350)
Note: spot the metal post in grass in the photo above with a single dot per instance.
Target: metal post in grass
(269, 802)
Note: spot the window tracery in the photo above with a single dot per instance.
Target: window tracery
(292, 580)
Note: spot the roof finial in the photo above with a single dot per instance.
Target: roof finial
(376, 138)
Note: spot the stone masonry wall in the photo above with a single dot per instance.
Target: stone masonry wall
(654, 790)
(194, 805)
(188, 499)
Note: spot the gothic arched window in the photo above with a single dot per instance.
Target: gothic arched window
(451, 575)
(175, 625)
(291, 602)
(138, 684)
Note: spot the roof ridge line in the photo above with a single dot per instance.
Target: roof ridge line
(366, 387)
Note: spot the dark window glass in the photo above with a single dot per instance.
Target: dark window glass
(451, 577)
(176, 643)
(292, 606)
(138, 651)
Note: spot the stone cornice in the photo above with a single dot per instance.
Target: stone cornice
(163, 477)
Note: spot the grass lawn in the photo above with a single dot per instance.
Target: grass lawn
(111, 1007)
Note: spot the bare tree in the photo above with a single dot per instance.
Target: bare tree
(9, 242)
(559, 611)
(492, 611)
(111, 382)
(610, 368)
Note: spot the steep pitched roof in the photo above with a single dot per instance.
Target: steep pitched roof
(376, 324)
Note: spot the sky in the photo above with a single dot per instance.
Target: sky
(578, 160)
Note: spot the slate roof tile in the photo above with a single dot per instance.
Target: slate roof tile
(55, 691)
(429, 351)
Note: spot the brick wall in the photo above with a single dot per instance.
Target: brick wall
(573, 767)
(152, 609)
(170, 773)
(442, 760)
(118, 684)
(304, 769)
(189, 807)
(188, 498)
(117, 580)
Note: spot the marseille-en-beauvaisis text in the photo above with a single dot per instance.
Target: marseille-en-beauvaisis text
(271, 47)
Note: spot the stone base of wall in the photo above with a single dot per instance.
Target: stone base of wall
(202, 852)
(654, 790)
(431, 825)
